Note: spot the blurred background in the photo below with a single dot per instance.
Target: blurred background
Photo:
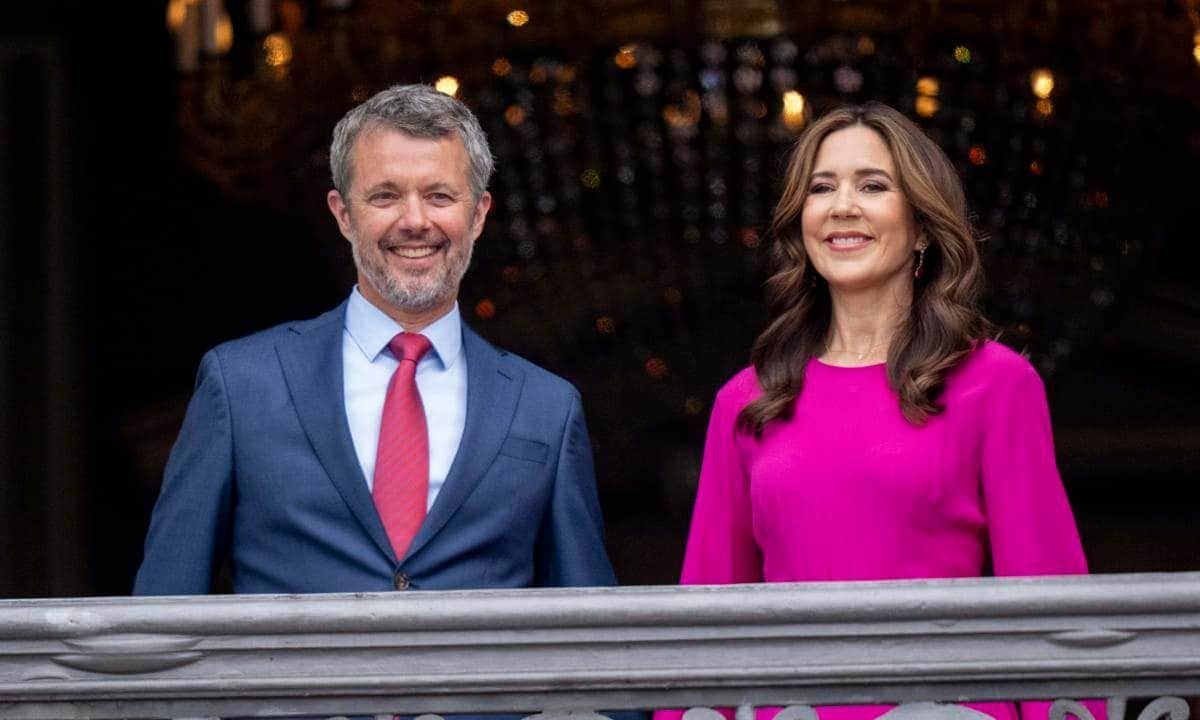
(163, 167)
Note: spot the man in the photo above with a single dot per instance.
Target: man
(383, 445)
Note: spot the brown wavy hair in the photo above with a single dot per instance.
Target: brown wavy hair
(944, 323)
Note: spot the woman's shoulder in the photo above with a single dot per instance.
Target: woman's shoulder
(995, 363)
(740, 389)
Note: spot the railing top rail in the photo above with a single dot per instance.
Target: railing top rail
(775, 603)
(523, 650)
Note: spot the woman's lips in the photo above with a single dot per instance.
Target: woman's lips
(847, 241)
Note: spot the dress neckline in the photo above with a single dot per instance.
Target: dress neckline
(872, 366)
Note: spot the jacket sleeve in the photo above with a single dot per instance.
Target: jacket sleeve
(570, 549)
(189, 529)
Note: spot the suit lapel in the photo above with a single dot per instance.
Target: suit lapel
(311, 357)
(493, 388)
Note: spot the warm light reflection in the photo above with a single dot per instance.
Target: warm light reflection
(866, 46)
(928, 86)
(1042, 82)
(1196, 43)
(687, 114)
(626, 57)
(223, 34)
(277, 49)
(564, 104)
(514, 115)
(977, 155)
(605, 325)
(793, 109)
(447, 85)
(485, 309)
(176, 13)
(1045, 108)
(501, 67)
(962, 53)
(927, 106)
(1035, 168)
(517, 18)
(590, 179)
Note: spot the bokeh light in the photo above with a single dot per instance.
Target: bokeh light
(793, 109)
(277, 49)
(517, 18)
(176, 13)
(514, 115)
(927, 106)
(1042, 82)
(485, 309)
(626, 57)
(447, 85)
(223, 34)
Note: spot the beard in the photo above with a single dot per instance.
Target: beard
(414, 292)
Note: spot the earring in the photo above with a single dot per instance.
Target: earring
(920, 264)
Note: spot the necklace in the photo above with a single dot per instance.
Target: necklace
(857, 355)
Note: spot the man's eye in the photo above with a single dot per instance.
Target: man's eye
(441, 198)
(382, 197)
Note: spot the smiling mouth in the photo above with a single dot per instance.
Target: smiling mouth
(847, 240)
(414, 252)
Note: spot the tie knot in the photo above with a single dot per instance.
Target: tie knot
(409, 346)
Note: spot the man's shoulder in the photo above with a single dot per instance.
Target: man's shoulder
(534, 376)
(253, 346)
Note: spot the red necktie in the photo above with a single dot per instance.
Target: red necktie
(401, 484)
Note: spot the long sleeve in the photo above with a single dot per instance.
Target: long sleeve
(1030, 525)
(190, 526)
(721, 547)
(571, 542)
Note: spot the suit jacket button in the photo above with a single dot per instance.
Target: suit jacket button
(401, 581)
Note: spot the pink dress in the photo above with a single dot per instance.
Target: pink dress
(847, 489)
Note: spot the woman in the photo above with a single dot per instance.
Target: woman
(878, 434)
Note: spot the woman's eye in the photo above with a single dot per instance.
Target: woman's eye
(820, 188)
(874, 187)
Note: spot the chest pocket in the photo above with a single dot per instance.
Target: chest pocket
(523, 449)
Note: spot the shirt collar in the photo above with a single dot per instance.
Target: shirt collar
(371, 330)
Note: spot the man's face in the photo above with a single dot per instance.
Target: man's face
(411, 221)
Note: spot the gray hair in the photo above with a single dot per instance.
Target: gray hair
(419, 111)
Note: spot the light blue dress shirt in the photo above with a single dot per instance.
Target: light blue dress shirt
(367, 366)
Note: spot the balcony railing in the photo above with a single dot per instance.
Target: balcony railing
(1109, 636)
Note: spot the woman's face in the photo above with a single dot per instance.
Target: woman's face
(858, 228)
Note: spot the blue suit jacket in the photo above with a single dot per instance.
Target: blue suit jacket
(264, 471)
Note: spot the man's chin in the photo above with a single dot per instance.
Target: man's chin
(419, 301)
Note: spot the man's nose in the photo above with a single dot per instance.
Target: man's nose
(414, 216)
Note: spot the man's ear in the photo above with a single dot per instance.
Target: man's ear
(481, 210)
(341, 212)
